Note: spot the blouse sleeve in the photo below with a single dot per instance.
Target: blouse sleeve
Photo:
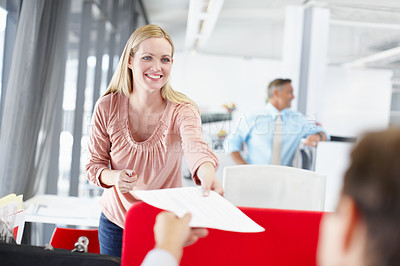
(195, 149)
(312, 128)
(99, 143)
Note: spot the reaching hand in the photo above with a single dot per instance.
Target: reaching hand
(208, 179)
(172, 233)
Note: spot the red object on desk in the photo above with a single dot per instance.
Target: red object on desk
(65, 238)
(290, 238)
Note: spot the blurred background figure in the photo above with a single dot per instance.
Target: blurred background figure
(365, 229)
(273, 135)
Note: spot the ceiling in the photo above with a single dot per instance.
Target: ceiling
(254, 28)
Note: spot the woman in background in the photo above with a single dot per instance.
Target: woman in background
(140, 130)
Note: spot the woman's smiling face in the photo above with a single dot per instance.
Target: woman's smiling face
(151, 64)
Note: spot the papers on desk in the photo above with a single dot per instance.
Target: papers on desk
(55, 209)
(12, 215)
(213, 211)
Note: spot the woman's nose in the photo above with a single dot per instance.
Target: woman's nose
(156, 65)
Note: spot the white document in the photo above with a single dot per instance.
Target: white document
(213, 211)
(63, 210)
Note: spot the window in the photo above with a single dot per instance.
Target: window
(3, 18)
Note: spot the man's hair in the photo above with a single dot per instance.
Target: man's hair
(373, 181)
(276, 84)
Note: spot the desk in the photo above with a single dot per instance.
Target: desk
(64, 210)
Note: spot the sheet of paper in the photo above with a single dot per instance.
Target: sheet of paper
(213, 211)
(12, 215)
(59, 206)
(10, 198)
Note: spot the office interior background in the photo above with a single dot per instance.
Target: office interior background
(57, 57)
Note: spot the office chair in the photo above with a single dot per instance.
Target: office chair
(274, 186)
(290, 238)
(65, 238)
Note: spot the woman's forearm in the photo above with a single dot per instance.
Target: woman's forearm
(108, 177)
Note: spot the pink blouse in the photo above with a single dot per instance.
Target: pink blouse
(157, 161)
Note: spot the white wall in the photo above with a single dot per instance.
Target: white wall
(332, 160)
(352, 100)
(212, 81)
(355, 100)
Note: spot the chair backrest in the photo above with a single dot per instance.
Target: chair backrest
(274, 186)
(290, 238)
(65, 238)
(304, 157)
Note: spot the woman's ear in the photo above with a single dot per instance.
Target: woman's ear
(130, 62)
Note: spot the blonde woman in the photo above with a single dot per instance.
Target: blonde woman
(140, 130)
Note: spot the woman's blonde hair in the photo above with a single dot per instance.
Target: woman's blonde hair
(121, 81)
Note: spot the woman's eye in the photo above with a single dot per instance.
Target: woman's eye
(165, 60)
(146, 58)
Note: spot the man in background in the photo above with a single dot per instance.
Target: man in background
(273, 135)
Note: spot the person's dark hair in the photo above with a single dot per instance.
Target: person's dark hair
(373, 181)
(276, 84)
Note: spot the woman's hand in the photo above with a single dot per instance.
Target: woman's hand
(208, 179)
(125, 180)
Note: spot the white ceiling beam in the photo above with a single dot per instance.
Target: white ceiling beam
(213, 11)
(394, 52)
(200, 22)
(362, 24)
(193, 21)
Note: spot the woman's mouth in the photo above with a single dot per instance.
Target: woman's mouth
(153, 76)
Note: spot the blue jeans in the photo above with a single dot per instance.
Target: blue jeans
(110, 237)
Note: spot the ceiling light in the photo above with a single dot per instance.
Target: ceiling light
(202, 17)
